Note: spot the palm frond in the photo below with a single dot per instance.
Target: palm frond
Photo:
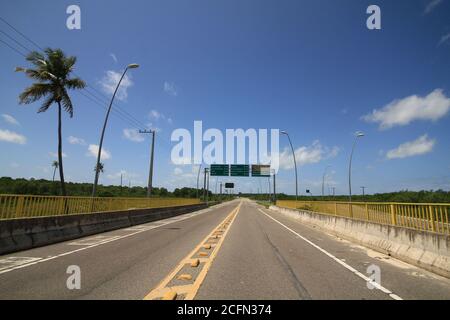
(52, 74)
(35, 58)
(35, 92)
(75, 83)
(47, 103)
(67, 103)
(40, 75)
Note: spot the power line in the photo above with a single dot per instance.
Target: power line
(91, 97)
(24, 36)
(124, 114)
(12, 48)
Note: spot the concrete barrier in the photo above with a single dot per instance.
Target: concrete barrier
(427, 250)
(23, 234)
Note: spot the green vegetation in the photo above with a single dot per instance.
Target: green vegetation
(49, 188)
(424, 196)
(52, 75)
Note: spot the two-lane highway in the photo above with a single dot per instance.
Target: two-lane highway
(237, 250)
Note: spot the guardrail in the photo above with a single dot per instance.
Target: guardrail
(421, 216)
(27, 206)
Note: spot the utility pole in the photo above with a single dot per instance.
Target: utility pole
(274, 190)
(198, 176)
(270, 191)
(363, 190)
(150, 174)
(221, 191)
(205, 185)
(120, 183)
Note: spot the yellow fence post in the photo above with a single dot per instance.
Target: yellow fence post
(335, 208)
(432, 218)
(19, 206)
(393, 217)
(350, 210)
(367, 212)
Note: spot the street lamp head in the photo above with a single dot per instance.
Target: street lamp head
(283, 132)
(133, 66)
(359, 134)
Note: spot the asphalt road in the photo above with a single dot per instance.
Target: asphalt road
(259, 254)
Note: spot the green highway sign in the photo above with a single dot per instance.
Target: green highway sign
(240, 170)
(260, 170)
(220, 170)
(229, 185)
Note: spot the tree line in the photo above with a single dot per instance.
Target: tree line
(405, 196)
(51, 188)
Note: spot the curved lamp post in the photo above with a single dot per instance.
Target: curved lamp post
(295, 164)
(94, 189)
(358, 134)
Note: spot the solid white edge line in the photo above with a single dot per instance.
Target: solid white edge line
(342, 263)
(206, 210)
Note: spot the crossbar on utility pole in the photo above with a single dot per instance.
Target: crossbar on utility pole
(152, 149)
(363, 191)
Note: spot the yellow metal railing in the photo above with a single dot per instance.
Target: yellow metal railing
(26, 206)
(421, 216)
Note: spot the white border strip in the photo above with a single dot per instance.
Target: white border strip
(109, 240)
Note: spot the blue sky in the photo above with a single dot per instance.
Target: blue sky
(309, 67)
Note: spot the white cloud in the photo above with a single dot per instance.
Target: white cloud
(154, 114)
(109, 83)
(125, 175)
(10, 119)
(444, 39)
(12, 137)
(93, 152)
(55, 155)
(14, 165)
(170, 88)
(177, 171)
(75, 140)
(133, 135)
(113, 56)
(420, 146)
(404, 111)
(432, 5)
(307, 155)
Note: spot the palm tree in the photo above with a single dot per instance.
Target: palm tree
(52, 74)
(101, 167)
(55, 165)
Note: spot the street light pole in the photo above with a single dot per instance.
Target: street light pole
(94, 188)
(323, 180)
(357, 135)
(295, 165)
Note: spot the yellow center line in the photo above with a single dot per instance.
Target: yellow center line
(205, 252)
